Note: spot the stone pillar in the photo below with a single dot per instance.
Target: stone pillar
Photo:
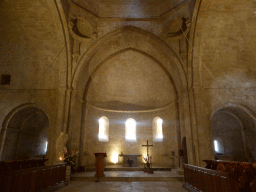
(100, 164)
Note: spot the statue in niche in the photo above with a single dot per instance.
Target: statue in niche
(61, 146)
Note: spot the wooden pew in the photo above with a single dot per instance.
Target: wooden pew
(21, 164)
(202, 179)
(221, 176)
(244, 173)
(33, 179)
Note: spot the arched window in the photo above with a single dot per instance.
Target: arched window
(218, 147)
(130, 130)
(46, 145)
(103, 129)
(157, 129)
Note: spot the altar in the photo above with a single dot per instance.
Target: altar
(130, 160)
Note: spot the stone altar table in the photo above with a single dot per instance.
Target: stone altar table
(132, 158)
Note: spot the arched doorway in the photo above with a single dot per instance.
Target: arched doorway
(25, 134)
(234, 134)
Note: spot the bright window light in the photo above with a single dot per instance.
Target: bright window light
(102, 129)
(159, 128)
(130, 129)
(46, 144)
(216, 146)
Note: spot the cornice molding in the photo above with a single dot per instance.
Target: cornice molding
(135, 111)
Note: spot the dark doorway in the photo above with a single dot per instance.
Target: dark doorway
(234, 137)
(26, 135)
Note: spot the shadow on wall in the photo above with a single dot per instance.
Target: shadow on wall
(26, 135)
(234, 134)
(184, 147)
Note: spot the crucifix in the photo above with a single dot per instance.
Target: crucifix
(147, 147)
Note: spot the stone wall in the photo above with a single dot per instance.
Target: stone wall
(223, 62)
(220, 68)
(32, 48)
(161, 152)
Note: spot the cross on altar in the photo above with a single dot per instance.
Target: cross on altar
(147, 147)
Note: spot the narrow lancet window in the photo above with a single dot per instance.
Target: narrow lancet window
(130, 130)
(157, 129)
(216, 146)
(103, 129)
(46, 144)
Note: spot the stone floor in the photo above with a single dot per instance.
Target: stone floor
(130, 174)
(91, 186)
(117, 180)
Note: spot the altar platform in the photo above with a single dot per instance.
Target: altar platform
(121, 168)
(119, 173)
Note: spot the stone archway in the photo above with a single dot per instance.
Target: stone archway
(128, 85)
(233, 131)
(130, 38)
(24, 133)
(107, 49)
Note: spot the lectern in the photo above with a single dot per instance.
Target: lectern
(100, 164)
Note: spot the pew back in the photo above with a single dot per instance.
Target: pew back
(202, 179)
(33, 179)
(221, 176)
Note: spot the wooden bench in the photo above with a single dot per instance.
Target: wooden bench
(221, 176)
(21, 164)
(16, 178)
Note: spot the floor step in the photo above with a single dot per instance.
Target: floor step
(128, 169)
(127, 179)
(162, 175)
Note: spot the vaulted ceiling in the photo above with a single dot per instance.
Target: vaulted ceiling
(128, 8)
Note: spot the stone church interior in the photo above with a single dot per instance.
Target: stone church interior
(93, 76)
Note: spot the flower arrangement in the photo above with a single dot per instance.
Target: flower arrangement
(148, 165)
(70, 157)
(147, 159)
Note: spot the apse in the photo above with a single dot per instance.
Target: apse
(133, 97)
(131, 81)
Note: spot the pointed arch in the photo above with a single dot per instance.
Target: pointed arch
(128, 38)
